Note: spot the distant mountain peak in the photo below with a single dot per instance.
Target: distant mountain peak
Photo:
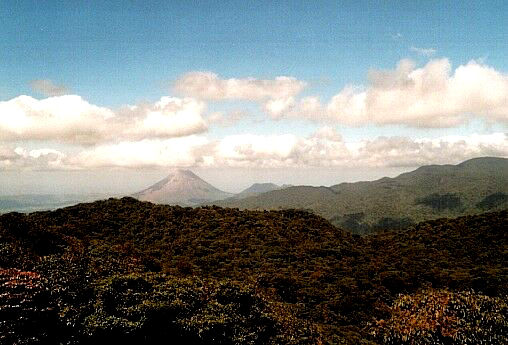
(181, 187)
(256, 189)
(180, 171)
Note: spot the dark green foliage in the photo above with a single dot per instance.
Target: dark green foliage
(493, 200)
(440, 202)
(133, 272)
(388, 223)
(149, 309)
(365, 207)
(353, 222)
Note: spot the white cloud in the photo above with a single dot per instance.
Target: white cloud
(19, 158)
(226, 120)
(249, 150)
(324, 148)
(406, 152)
(169, 117)
(428, 52)
(64, 118)
(48, 88)
(144, 153)
(70, 119)
(208, 85)
(430, 96)
(165, 133)
(7, 153)
(278, 106)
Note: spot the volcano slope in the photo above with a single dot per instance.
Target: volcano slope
(139, 273)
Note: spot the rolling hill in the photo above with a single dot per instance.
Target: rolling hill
(429, 192)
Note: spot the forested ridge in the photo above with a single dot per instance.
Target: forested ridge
(140, 273)
(430, 192)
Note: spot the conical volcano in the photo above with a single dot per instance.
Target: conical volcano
(181, 187)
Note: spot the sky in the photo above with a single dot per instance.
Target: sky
(108, 96)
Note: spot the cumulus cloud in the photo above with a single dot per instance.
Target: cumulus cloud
(324, 148)
(65, 118)
(166, 132)
(208, 85)
(226, 120)
(71, 119)
(327, 148)
(279, 106)
(48, 88)
(248, 150)
(428, 52)
(430, 96)
(169, 117)
(144, 153)
(19, 158)
(406, 152)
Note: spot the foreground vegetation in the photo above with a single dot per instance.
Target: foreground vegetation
(137, 273)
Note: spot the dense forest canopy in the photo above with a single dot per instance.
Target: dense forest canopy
(137, 272)
(429, 192)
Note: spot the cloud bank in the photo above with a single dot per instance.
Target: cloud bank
(72, 120)
(324, 148)
(67, 132)
(18, 158)
(431, 96)
(428, 97)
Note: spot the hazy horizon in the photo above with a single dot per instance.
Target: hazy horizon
(113, 182)
(126, 182)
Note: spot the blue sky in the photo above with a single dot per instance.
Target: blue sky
(135, 52)
(119, 53)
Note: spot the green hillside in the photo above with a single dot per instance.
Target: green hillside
(132, 272)
(429, 192)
